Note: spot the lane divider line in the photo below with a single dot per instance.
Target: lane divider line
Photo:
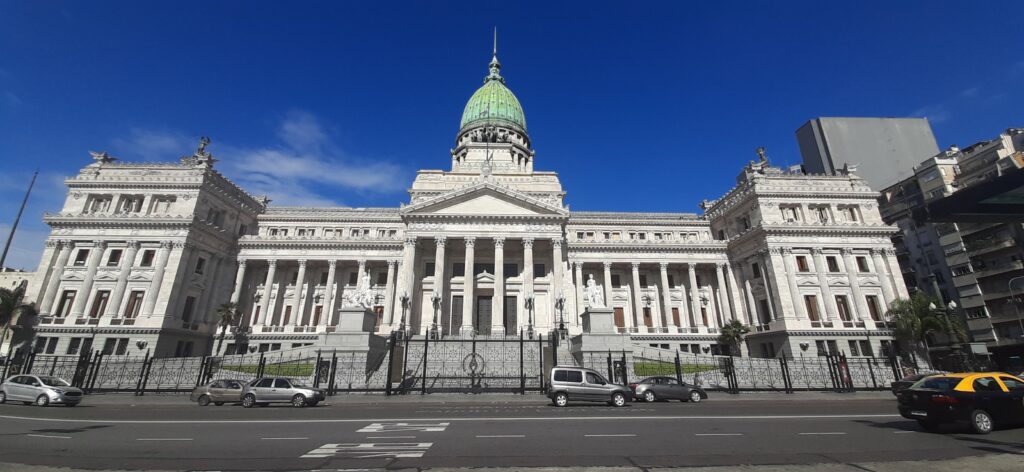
(903, 432)
(48, 436)
(282, 439)
(501, 436)
(609, 435)
(468, 419)
(832, 433)
(163, 439)
(718, 434)
(391, 437)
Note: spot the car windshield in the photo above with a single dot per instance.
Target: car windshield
(937, 383)
(54, 382)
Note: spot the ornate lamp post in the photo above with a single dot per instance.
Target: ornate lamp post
(560, 304)
(803, 347)
(436, 300)
(646, 300)
(404, 300)
(528, 301)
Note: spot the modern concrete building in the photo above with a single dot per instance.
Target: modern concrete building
(885, 150)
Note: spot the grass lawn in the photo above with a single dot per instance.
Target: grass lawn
(282, 370)
(649, 368)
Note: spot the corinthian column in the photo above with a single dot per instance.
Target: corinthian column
(406, 277)
(607, 284)
(300, 283)
(666, 296)
(794, 290)
(556, 261)
(56, 272)
(638, 304)
(268, 289)
(158, 278)
(236, 294)
(859, 305)
(528, 266)
(883, 277)
(389, 293)
(90, 276)
(577, 268)
(826, 291)
(498, 305)
(329, 290)
(468, 322)
(695, 294)
(723, 291)
(439, 262)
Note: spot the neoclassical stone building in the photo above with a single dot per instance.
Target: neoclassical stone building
(142, 254)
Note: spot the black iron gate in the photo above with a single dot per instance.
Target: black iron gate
(471, 365)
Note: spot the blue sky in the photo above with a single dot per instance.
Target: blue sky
(639, 106)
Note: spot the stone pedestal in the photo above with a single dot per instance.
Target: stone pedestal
(356, 349)
(600, 340)
(354, 332)
(598, 321)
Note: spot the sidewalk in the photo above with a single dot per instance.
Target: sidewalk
(485, 398)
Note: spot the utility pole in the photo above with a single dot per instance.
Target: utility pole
(10, 237)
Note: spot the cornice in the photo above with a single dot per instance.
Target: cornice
(647, 249)
(483, 185)
(252, 243)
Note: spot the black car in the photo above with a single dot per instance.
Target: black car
(905, 383)
(662, 387)
(981, 400)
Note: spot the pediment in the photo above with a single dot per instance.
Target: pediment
(484, 199)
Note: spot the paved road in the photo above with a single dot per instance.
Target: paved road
(525, 432)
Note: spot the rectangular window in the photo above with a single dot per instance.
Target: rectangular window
(833, 264)
(134, 304)
(671, 282)
(243, 230)
(115, 258)
(643, 280)
(81, 257)
(801, 264)
(353, 277)
(147, 258)
(811, 304)
(480, 268)
(122, 347)
(295, 278)
(458, 270)
(538, 270)
(865, 348)
(428, 269)
(833, 346)
(382, 278)
(318, 312)
(511, 270)
(616, 283)
(186, 312)
(887, 348)
(323, 278)
(756, 269)
(874, 308)
(200, 265)
(99, 304)
(67, 299)
(844, 308)
(108, 346)
(862, 264)
(820, 346)
(74, 345)
(854, 348)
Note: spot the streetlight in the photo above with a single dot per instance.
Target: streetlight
(1016, 304)
(435, 298)
(404, 300)
(560, 304)
(528, 301)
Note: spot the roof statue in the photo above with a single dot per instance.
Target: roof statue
(102, 157)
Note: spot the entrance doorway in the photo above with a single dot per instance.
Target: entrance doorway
(482, 320)
(620, 318)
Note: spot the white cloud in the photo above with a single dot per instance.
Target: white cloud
(934, 113)
(970, 93)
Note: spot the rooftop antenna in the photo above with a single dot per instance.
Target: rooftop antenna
(10, 237)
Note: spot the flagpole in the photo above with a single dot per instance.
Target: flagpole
(10, 237)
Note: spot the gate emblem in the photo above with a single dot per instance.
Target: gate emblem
(474, 365)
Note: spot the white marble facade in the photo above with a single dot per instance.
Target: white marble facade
(142, 254)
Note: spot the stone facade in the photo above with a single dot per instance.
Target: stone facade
(487, 248)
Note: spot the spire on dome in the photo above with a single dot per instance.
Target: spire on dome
(495, 66)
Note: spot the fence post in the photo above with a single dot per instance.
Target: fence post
(334, 371)
(202, 370)
(787, 381)
(29, 363)
(679, 368)
(146, 369)
(98, 362)
(553, 341)
(391, 360)
(540, 349)
(423, 381)
(316, 370)
(871, 370)
(405, 365)
(611, 377)
(8, 360)
(261, 364)
(897, 372)
(522, 371)
(142, 373)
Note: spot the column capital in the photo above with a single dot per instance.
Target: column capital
(528, 243)
(556, 243)
(409, 241)
(100, 245)
(391, 264)
(663, 266)
(470, 242)
(499, 242)
(889, 251)
(166, 244)
(635, 266)
(775, 251)
(719, 265)
(361, 262)
(786, 251)
(332, 263)
(131, 244)
(440, 241)
(66, 243)
(272, 262)
(845, 251)
(302, 263)
(607, 265)
(242, 263)
(179, 244)
(816, 251)
(51, 243)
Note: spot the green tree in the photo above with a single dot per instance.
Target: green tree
(10, 301)
(920, 315)
(227, 315)
(732, 334)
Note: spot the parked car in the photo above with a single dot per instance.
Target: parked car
(39, 389)
(267, 390)
(579, 384)
(218, 392)
(982, 400)
(906, 382)
(661, 387)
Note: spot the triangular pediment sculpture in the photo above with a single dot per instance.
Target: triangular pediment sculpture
(485, 198)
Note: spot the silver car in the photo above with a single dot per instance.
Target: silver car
(39, 389)
(267, 390)
(579, 384)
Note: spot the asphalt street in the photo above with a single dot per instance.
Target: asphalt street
(170, 433)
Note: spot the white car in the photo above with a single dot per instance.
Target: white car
(39, 389)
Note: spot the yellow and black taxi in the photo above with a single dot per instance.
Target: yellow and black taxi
(982, 400)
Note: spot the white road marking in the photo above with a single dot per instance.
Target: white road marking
(472, 419)
(368, 450)
(391, 437)
(501, 436)
(718, 434)
(48, 436)
(403, 426)
(282, 439)
(903, 432)
(608, 435)
(836, 433)
(163, 439)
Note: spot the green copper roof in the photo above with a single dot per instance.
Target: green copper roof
(494, 102)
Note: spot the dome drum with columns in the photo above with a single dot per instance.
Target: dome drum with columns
(799, 258)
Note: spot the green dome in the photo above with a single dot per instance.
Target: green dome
(494, 102)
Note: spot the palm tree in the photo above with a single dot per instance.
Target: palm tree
(919, 316)
(732, 334)
(10, 300)
(228, 315)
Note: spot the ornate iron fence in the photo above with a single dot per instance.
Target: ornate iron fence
(473, 365)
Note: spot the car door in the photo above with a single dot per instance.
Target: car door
(216, 391)
(33, 387)
(14, 388)
(574, 385)
(282, 390)
(1014, 398)
(989, 396)
(673, 389)
(594, 386)
(262, 390)
(232, 391)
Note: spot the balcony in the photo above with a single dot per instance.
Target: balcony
(853, 324)
(986, 245)
(122, 322)
(822, 324)
(87, 321)
(999, 268)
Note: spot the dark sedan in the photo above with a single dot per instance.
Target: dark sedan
(905, 383)
(666, 388)
(981, 400)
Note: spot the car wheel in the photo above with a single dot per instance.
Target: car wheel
(981, 422)
(204, 400)
(218, 403)
(42, 400)
(649, 397)
(928, 425)
(249, 401)
(695, 396)
(561, 399)
(618, 399)
(3, 396)
(298, 401)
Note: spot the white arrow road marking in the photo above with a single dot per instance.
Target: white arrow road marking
(369, 450)
(398, 427)
(48, 436)
(718, 434)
